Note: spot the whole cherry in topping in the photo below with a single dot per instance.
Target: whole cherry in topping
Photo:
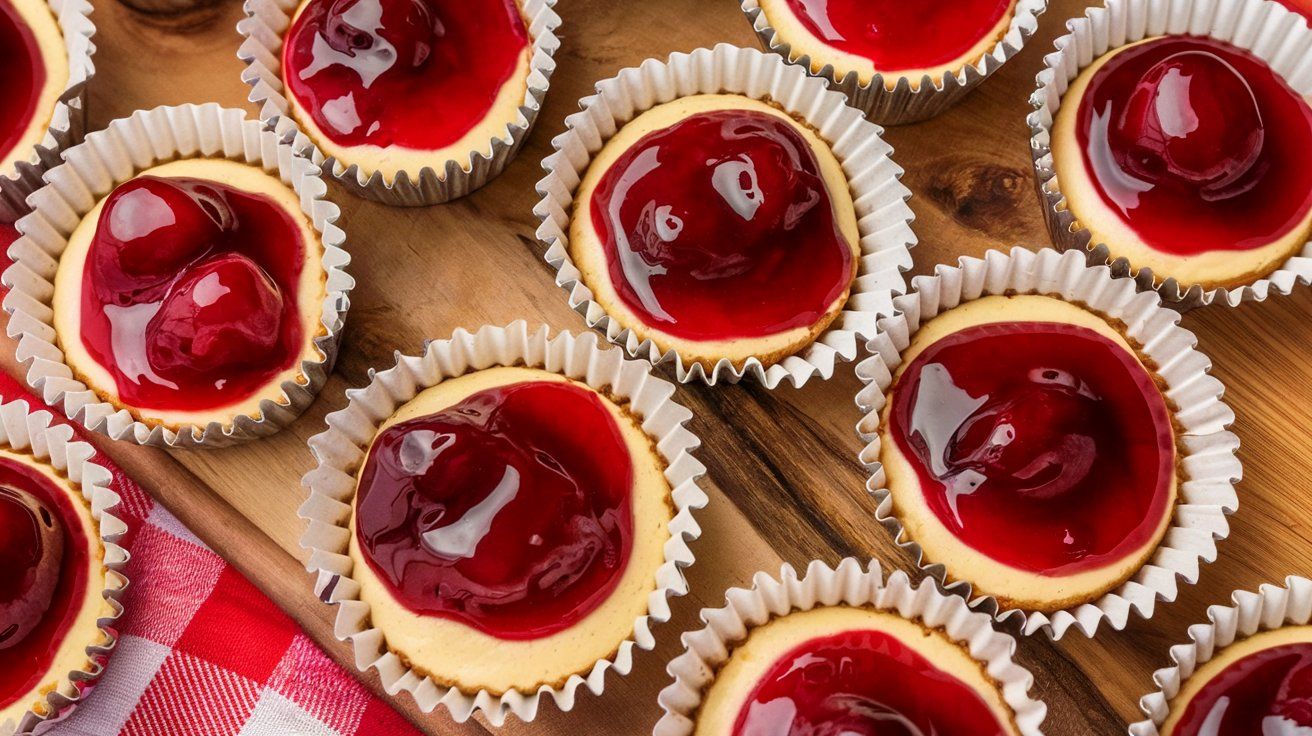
(1035, 438)
(389, 33)
(510, 511)
(721, 225)
(1046, 432)
(1193, 118)
(223, 313)
(756, 186)
(156, 225)
(31, 554)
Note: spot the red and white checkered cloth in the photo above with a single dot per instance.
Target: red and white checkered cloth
(201, 652)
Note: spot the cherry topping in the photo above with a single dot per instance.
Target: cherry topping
(862, 682)
(1197, 146)
(222, 314)
(1033, 437)
(23, 79)
(1266, 692)
(1194, 117)
(31, 552)
(403, 30)
(510, 511)
(188, 295)
(417, 74)
(900, 35)
(157, 225)
(722, 226)
(1044, 432)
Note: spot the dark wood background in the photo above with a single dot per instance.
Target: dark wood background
(784, 480)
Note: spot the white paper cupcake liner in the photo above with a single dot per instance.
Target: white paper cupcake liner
(1273, 33)
(1271, 607)
(904, 103)
(92, 169)
(24, 430)
(883, 216)
(69, 116)
(342, 448)
(707, 649)
(262, 29)
(1209, 466)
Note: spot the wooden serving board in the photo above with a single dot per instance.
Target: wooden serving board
(784, 480)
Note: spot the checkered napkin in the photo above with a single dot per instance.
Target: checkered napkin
(201, 652)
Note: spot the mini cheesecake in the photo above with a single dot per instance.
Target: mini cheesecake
(507, 528)
(1029, 449)
(52, 581)
(1184, 155)
(191, 293)
(398, 85)
(35, 64)
(849, 670)
(1258, 685)
(718, 227)
(892, 38)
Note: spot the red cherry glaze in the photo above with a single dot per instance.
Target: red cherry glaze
(897, 35)
(862, 683)
(510, 511)
(720, 226)
(412, 73)
(1043, 432)
(31, 550)
(26, 660)
(189, 295)
(1198, 145)
(1266, 692)
(1302, 7)
(23, 79)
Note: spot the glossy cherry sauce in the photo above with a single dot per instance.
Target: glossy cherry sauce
(1268, 692)
(721, 226)
(1302, 7)
(1042, 445)
(510, 511)
(412, 73)
(862, 683)
(898, 35)
(1198, 145)
(190, 292)
(23, 78)
(26, 659)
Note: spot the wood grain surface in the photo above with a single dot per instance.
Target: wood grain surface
(784, 481)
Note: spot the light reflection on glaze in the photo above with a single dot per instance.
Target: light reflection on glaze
(720, 226)
(188, 295)
(1266, 693)
(1197, 145)
(862, 683)
(510, 511)
(412, 73)
(1045, 432)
